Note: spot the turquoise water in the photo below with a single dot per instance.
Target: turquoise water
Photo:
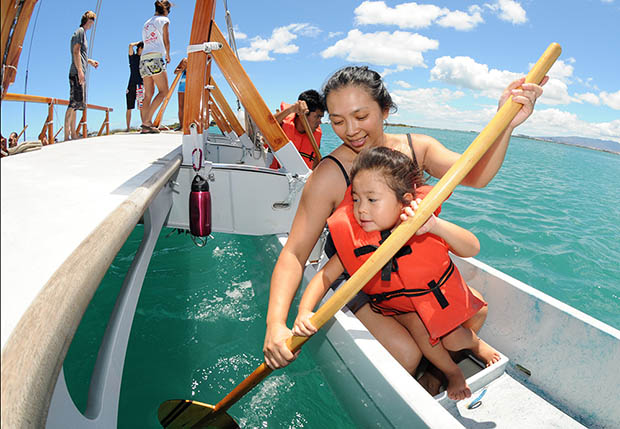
(550, 218)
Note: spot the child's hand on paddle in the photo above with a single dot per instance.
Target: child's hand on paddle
(303, 327)
(409, 211)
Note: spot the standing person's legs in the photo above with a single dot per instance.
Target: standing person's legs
(76, 102)
(69, 124)
(181, 106)
(130, 96)
(149, 88)
(161, 81)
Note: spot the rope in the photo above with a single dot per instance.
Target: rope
(34, 27)
(91, 45)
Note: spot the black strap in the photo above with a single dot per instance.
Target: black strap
(415, 161)
(344, 172)
(392, 265)
(433, 288)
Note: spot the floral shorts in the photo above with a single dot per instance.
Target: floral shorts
(152, 64)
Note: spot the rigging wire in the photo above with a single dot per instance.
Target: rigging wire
(250, 126)
(91, 45)
(34, 27)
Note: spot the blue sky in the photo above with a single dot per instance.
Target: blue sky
(445, 62)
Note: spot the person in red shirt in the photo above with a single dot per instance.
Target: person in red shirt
(311, 104)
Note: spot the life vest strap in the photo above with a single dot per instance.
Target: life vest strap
(392, 265)
(434, 288)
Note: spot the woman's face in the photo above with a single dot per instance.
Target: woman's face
(356, 117)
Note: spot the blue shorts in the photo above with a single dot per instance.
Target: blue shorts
(182, 82)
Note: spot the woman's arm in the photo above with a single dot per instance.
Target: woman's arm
(437, 159)
(318, 199)
(314, 292)
(166, 35)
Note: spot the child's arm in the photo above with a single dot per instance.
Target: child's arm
(461, 241)
(315, 290)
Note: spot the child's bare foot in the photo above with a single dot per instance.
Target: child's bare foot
(457, 386)
(485, 353)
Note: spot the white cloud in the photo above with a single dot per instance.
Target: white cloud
(333, 34)
(611, 100)
(399, 48)
(560, 70)
(403, 84)
(509, 10)
(555, 92)
(414, 15)
(467, 73)
(239, 35)
(405, 15)
(460, 20)
(547, 122)
(588, 97)
(280, 42)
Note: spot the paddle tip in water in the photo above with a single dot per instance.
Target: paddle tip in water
(183, 413)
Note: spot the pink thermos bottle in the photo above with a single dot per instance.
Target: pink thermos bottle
(200, 207)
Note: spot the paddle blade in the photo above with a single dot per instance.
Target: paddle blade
(182, 413)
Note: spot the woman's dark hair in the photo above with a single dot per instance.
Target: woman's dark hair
(365, 78)
(162, 6)
(140, 45)
(313, 100)
(401, 174)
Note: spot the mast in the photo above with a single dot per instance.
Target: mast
(16, 16)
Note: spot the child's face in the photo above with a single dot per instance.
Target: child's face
(375, 205)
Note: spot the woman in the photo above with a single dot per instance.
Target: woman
(155, 56)
(358, 103)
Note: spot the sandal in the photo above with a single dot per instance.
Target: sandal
(153, 130)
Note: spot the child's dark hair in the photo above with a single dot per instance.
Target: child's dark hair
(162, 6)
(399, 171)
(313, 100)
(365, 78)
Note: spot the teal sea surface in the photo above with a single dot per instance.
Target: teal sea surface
(550, 218)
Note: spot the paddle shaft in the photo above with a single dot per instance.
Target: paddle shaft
(315, 146)
(405, 230)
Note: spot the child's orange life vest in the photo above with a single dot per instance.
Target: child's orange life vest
(421, 277)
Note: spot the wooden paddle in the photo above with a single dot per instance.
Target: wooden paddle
(185, 413)
(315, 146)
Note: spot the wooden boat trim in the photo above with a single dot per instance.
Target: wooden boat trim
(181, 67)
(13, 34)
(225, 109)
(48, 125)
(245, 90)
(31, 363)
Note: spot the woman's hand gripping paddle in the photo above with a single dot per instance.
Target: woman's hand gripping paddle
(190, 414)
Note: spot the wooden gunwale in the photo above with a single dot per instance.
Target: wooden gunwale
(31, 363)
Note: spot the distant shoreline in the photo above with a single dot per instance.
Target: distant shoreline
(516, 135)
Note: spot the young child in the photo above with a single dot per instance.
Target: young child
(420, 286)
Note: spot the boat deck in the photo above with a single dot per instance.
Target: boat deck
(52, 198)
(507, 402)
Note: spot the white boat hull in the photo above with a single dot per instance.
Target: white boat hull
(572, 359)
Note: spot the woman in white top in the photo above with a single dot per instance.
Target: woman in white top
(155, 56)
